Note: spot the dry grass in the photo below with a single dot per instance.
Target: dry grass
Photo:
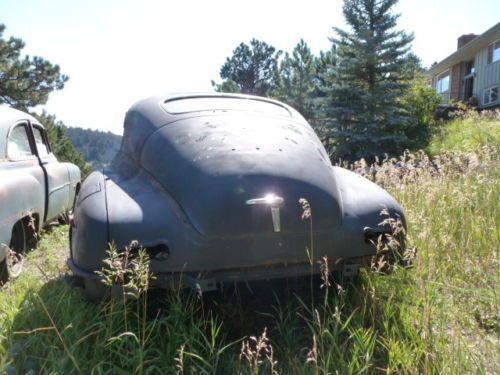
(441, 316)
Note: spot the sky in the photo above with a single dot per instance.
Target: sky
(117, 52)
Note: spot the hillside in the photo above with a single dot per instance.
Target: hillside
(439, 317)
(97, 147)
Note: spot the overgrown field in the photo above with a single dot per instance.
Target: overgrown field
(441, 316)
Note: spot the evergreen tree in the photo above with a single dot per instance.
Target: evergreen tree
(325, 68)
(25, 82)
(362, 98)
(296, 81)
(62, 147)
(98, 147)
(250, 70)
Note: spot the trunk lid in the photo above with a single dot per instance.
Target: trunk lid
(227, 170)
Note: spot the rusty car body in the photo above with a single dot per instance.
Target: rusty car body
(34, 187)
(214, 187)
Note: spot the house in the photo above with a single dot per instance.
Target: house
(472, 73)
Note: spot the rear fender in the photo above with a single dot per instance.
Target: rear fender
(362, 206)
(140, 211)
(89, 230)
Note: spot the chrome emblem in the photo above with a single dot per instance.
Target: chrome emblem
(275, 203)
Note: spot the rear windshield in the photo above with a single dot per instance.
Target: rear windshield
(186, 105)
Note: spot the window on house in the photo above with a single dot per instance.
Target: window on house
(469, 67)
(494, 52)
(443, 83)
(490, 95)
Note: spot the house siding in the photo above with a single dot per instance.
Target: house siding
(456, 81)
(487, 75)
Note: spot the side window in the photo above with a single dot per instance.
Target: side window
(494, 52)
(18, 144)
(41, 142)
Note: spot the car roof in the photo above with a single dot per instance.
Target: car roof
(8, 115)
(150, 114)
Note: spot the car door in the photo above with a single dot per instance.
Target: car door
(56, 174)
(22, 179)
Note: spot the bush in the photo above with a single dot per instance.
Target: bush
(422, 102)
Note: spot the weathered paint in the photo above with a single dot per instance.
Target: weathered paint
(31, 186)
(181, 182)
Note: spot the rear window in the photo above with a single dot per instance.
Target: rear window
(186, 105)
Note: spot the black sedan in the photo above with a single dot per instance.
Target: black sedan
(220, 188)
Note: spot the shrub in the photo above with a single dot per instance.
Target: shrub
(422, 102)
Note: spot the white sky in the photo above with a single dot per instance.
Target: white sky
(119, 51)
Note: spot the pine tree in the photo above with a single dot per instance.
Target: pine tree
(362, 97)
(296, 81)
(250, 70)
(62, 147)
(25, 81)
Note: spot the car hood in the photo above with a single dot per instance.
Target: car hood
(219, 167)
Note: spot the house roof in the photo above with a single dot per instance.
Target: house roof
(468, 51)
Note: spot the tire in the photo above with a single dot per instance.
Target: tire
(4, 272)
(64, 218)
(19, 241)
(12, 266)
(95, 291)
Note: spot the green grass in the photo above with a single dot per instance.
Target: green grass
(439, 317)
(467, 133)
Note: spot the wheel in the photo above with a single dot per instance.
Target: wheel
(12, 265)
(95, 290)
(4, 272)
(18, 243)
(64, 218)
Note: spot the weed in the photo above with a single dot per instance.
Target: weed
(440, 317)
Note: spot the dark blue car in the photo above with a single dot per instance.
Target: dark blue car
(214, 187)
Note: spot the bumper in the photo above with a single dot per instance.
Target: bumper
(207, 280)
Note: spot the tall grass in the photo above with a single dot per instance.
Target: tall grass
(439, 317)
(468, 131)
